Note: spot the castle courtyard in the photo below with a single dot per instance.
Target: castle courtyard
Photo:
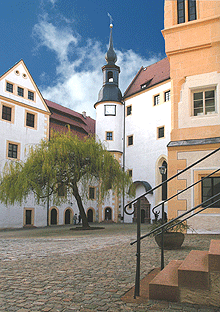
(58, 269)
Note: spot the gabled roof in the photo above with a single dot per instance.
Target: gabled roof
(69, 116)
(21, 62)
(148, 77)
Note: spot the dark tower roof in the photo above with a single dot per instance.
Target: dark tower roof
(111, 57)
(110, 90)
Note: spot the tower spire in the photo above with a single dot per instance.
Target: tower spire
(110, 90)
(111, 57)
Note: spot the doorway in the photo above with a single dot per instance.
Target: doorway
(67, 216)
(108, 214)
(90, 215)
(145, 211)
(142, 216)
(53, 216)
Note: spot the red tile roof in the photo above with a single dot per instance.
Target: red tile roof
(149, 76)
(64, 115)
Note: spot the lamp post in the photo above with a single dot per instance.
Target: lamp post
(162, 170)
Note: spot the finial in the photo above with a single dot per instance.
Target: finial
(111, 57)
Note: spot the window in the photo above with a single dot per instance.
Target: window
(156, 99)
(28, 216)
(91, 193)
(110, 76)
(191, 10)
(110, 110)
(181, 11)
(13, 150)
(160, 133)
(20, 91)
(167, 96)
(6, 113)
(130, 173)
(204, 102)
(128, 110)
(109, 136)
(130, 140)
(30, 120)
(9, 87)
(61, 189)
(211, 187)
(30, 95)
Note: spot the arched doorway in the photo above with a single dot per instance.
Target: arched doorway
(67, 216)
(108, 213)
(53, 216)
(90, 215)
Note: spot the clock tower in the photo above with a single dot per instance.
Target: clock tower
(109, 123)
(109, 107)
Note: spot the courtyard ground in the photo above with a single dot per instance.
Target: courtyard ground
(57, 269)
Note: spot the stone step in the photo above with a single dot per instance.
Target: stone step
(214, 256)
(165, 285)
(193, 272)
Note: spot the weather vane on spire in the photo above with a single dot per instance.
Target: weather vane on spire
(111, 20)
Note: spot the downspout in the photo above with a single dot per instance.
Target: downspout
(123, 166)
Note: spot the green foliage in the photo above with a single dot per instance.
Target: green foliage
(67, 160)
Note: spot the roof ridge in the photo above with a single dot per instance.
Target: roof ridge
(133, 80)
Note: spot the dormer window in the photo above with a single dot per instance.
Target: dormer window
(110, 76)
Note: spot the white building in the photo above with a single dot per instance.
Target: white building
(135, 128)
(24, 121)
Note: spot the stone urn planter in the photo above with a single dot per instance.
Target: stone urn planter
(173, 236)
(172, 240)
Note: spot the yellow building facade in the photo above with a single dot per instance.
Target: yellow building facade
(192, 42)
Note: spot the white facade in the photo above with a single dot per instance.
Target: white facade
(148, 151)
(143, 157)
(24, 121)
(112, 123)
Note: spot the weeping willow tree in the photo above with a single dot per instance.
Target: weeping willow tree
(64, 160)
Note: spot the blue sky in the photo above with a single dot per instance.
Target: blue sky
(63, 43)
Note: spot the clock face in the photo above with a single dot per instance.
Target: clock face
(110, 110)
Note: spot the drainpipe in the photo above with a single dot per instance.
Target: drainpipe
(123, 166)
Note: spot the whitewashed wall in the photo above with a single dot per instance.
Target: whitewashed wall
(147, 149)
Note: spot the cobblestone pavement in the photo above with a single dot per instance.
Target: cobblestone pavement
(55, 269)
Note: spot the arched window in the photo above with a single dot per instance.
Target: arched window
(110, 76)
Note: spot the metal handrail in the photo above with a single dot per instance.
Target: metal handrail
(168, 180)
(182, 191)
(137, 281)
(182, 220)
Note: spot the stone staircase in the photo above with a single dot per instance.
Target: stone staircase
(194, 280)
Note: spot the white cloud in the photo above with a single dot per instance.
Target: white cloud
(79, 75)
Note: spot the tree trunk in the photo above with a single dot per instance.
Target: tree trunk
(85, 222)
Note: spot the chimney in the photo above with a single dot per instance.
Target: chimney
(84, 114)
